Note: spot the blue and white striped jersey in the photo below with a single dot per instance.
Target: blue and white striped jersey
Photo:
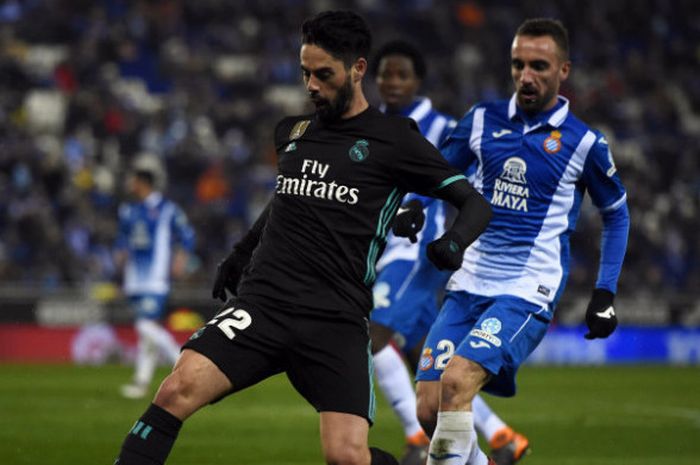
(148, 232)
(435, 127)
(534, 171)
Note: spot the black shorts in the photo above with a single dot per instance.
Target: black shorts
(326, 355)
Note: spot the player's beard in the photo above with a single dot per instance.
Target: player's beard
(332, 110)
(531, 101)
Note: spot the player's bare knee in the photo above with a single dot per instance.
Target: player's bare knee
(460, 382)
(169, 393)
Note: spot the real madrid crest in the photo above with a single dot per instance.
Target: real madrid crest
(299, 129)
(359, 151)
(552, 144)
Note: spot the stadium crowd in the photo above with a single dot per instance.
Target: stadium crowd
(87, 86)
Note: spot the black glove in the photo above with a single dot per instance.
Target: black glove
(229, 273)
(600, 315)
(446, 252)
(409, 220)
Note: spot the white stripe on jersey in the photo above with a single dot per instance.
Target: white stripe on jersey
(543, 266)
(435, 131)
(475, 144)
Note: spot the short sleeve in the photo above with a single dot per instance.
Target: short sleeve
(456, 148)
(601, 177)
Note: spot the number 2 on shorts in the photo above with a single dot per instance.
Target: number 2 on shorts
(239, 319)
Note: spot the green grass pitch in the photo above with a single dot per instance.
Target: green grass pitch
(60, 415)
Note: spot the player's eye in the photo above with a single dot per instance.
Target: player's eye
(540, 65)
(323, 75)
(517, 64)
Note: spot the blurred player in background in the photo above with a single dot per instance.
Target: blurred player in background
(408, 286)
(303, 274)
(153, 242)
(534, 161)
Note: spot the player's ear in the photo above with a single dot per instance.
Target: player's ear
(564, 70)
(358, 70)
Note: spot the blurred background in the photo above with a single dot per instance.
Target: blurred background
(87, 86)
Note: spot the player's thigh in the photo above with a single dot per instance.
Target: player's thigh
(344, 438)
(246, 341)
(456, 318)
(331, 366)
(503, 337)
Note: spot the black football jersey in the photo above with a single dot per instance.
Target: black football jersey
(339, 186)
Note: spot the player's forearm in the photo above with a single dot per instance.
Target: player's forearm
(616, 224)
(250, 240)
(474, 212)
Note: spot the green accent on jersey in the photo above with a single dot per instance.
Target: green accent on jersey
(372, 408)
(450, 180)
(385, 216)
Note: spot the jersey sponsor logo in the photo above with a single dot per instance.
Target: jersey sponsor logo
(299, 129)
(426, 360)
(543, 290)
(359, 151)
(320, 189)
(552, 144)
(501, 133)
(510, 188)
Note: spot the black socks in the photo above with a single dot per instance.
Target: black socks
(151, 438)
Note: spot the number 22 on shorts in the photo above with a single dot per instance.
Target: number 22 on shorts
(237, 318)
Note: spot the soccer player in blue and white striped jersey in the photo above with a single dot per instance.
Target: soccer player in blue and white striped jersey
(408, 286)
(154, 238)
(534, 161)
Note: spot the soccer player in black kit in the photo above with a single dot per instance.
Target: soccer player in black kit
(303, 274)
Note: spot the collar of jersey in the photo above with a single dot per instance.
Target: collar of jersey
(554, 117)
(153, 199)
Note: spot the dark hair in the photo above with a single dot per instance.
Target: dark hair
(343, 34)
(145, 176)
(404, 49)
(538, 27)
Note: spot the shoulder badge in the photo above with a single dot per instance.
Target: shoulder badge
(299, 129)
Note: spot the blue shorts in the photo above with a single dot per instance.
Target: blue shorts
(406, 299)
(498, 333)
(148, 306)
